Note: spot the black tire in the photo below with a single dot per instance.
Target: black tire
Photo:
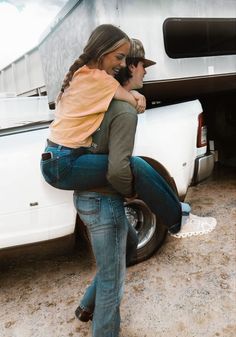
(151, 231)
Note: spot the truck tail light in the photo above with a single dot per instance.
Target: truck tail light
(202, 131)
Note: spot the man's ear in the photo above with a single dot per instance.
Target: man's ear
(131, 67)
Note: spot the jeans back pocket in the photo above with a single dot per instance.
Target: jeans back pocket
(56, 168)
(88, 209)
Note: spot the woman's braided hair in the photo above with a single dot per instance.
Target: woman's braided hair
(103, 40)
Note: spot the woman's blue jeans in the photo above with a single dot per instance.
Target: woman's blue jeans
(106, 221)
(66, 170)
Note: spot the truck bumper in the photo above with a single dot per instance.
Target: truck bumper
(203, 167)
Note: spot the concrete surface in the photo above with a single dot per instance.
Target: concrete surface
(187, 289)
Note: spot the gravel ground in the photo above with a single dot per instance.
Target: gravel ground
(187, 289)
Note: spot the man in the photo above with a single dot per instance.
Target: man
(102, 210)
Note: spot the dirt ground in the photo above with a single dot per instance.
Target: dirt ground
(187, 289)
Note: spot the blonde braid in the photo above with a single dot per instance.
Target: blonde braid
(81, 61)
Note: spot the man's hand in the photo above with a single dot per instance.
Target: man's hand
(141, 101)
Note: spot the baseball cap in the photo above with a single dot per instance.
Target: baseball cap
(137, 51)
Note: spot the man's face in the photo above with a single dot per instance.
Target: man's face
(138, 74)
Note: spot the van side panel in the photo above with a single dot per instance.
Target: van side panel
(140, 19)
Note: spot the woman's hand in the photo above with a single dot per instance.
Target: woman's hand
(133, 97)
(125, 95)
(141, 101)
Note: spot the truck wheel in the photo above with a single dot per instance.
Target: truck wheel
(151, 232)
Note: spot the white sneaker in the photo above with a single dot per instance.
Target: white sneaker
(195, 225)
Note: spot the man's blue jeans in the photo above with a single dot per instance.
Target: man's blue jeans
(68, 171)
(106, 221)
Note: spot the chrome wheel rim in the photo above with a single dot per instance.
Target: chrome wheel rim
(142, 220)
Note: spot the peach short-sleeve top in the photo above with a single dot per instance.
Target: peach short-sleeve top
(82, 106)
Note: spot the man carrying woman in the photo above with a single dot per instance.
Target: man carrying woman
(103, 180)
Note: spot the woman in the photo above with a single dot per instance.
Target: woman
(86, 93)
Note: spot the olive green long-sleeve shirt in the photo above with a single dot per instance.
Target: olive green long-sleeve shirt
(115, 137)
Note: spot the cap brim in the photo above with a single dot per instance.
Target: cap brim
(148, 63)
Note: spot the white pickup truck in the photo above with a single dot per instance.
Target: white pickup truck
(172, 138)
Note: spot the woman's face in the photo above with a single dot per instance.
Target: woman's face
(114, 61)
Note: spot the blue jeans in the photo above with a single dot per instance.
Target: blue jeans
(106, 221)
(66, 170)
(157, 194)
